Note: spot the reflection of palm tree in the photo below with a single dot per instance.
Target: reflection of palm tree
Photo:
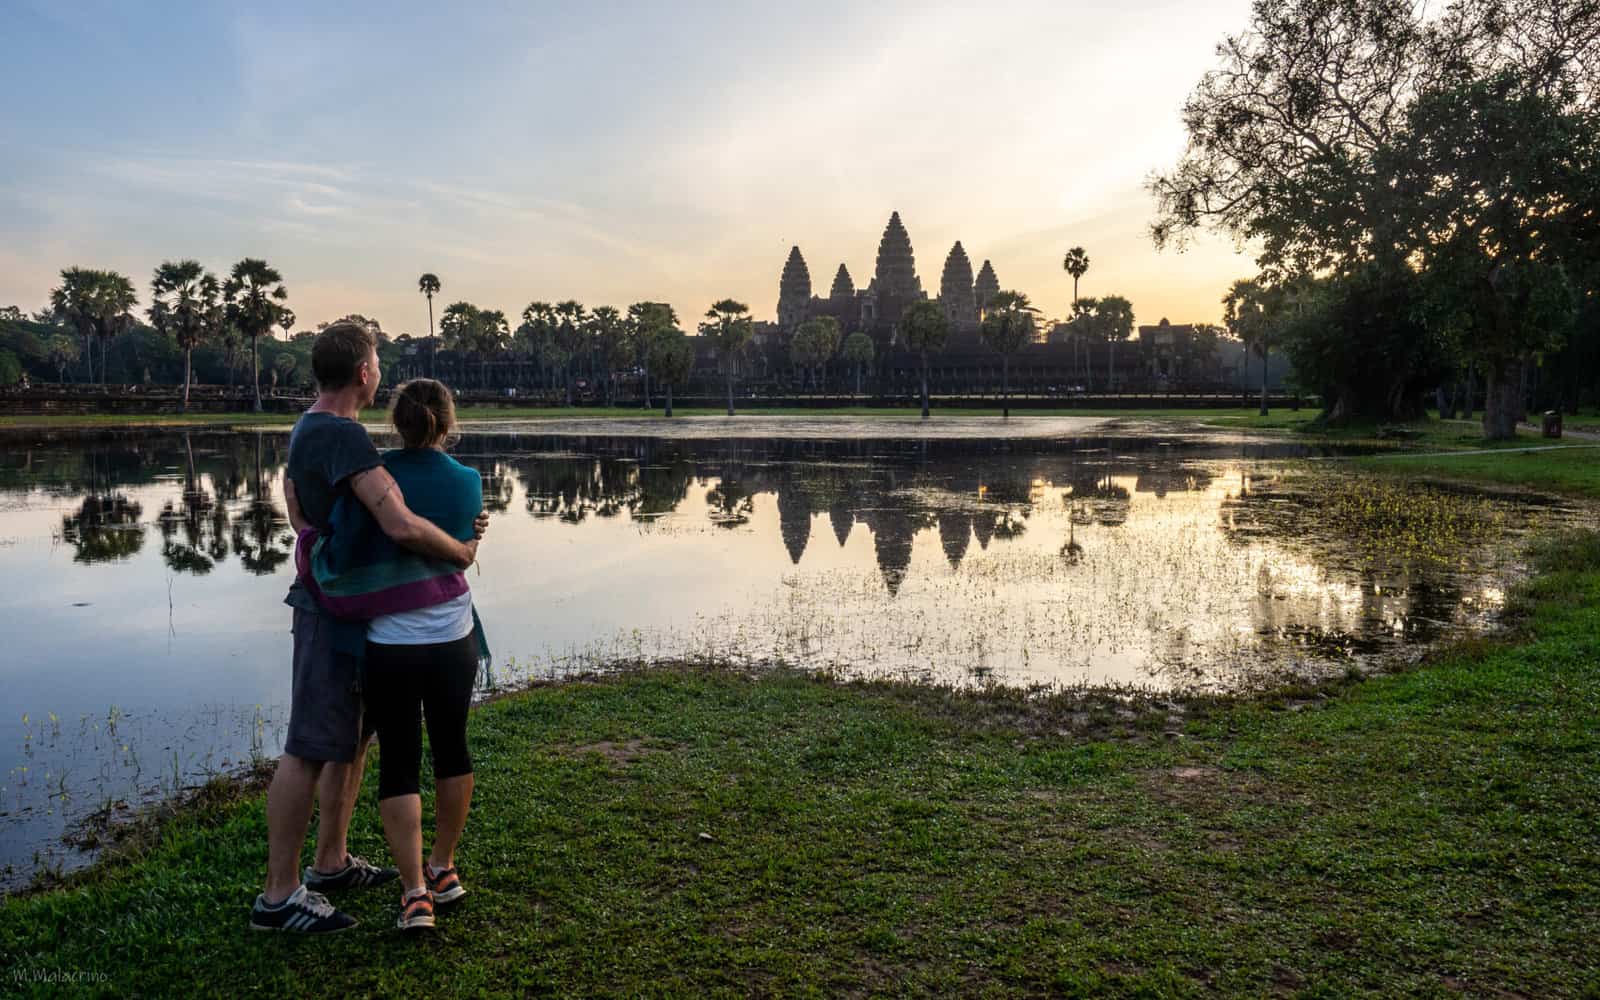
(105, 529)
(497, 488)
(731, 503)
(1071, 551)
(192, 515)
(260, 539)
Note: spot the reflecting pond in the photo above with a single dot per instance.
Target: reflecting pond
(147, 643)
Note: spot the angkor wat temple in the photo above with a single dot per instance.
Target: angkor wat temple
(1157, 355)
(894, 285)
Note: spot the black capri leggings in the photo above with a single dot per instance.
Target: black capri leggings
(403, 685)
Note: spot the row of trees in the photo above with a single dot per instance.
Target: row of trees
(1423, 187)
(188, 304)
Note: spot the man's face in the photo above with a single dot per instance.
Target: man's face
(371, 378)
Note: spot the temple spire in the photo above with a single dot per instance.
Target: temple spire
(794, 290)
(897, 266)
(986, 287)
(843, 287)
(955, 287)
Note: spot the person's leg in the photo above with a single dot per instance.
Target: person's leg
(288, 814)
(307, 746)
(394, 699)
(337, 791)
(447, 700)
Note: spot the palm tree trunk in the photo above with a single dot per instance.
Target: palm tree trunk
(646, 386)
(924, 386)
(88, 359)
(730, 387)
(1264, 349)
(1005, 386)
(187, 353)
(1111, 364)
(255, 375)
(858, 378)
(669, 399)
(430, 335)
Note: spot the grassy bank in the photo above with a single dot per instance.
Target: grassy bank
(702, 833)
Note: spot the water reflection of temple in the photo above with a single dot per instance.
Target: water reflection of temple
(223, 504)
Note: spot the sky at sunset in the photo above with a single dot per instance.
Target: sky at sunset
(604, 152)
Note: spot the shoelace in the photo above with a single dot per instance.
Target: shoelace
(317, 903)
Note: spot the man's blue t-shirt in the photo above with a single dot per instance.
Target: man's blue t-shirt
(325, 450)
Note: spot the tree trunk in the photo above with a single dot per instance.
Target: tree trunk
(187, 351)
(88, 360)
(1264, 350)
(1501, 389)
(669, 399)
(1005, 386)
(255, 375)
(924, 387)
(646, 386)
(1111, 364)
(858, 378)
(730, 387)
(430, 335)
(1523, 369)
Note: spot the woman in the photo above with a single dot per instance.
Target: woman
(423, 644)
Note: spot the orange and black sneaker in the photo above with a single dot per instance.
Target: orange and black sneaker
(416, 911)
(444, 883)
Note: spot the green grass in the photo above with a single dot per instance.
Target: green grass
(1425, 833)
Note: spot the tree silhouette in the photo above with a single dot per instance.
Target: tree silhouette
(429, 286)
(924, 328)
(254, 294)
(729, 327)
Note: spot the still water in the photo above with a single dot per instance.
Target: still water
(146, 643)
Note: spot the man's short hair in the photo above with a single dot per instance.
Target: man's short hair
(340, 349)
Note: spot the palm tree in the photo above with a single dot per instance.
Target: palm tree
(609, 333)
(571, 335)
(858, 350)
(1248, 314)
(286, 319)
(646, 322)
(183, 304)
(97, 304)
(924, 327)
(428, 284)
(1076, 263)
(672, 359)
(1007, 326)
(805, 348)
(730, 328)
(255, 295)
(1114, 316)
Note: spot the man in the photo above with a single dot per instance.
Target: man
(331, 455)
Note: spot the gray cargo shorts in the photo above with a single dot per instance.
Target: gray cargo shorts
(325, 721)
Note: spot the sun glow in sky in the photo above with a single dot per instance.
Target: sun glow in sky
(604, 152)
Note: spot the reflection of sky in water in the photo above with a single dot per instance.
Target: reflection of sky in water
(147, 574)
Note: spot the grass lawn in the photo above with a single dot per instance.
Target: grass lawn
(701, 833)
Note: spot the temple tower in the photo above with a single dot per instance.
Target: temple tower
(843, 287)
(794, 291)
(986, 287)
(896, 275)
(955, 287)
